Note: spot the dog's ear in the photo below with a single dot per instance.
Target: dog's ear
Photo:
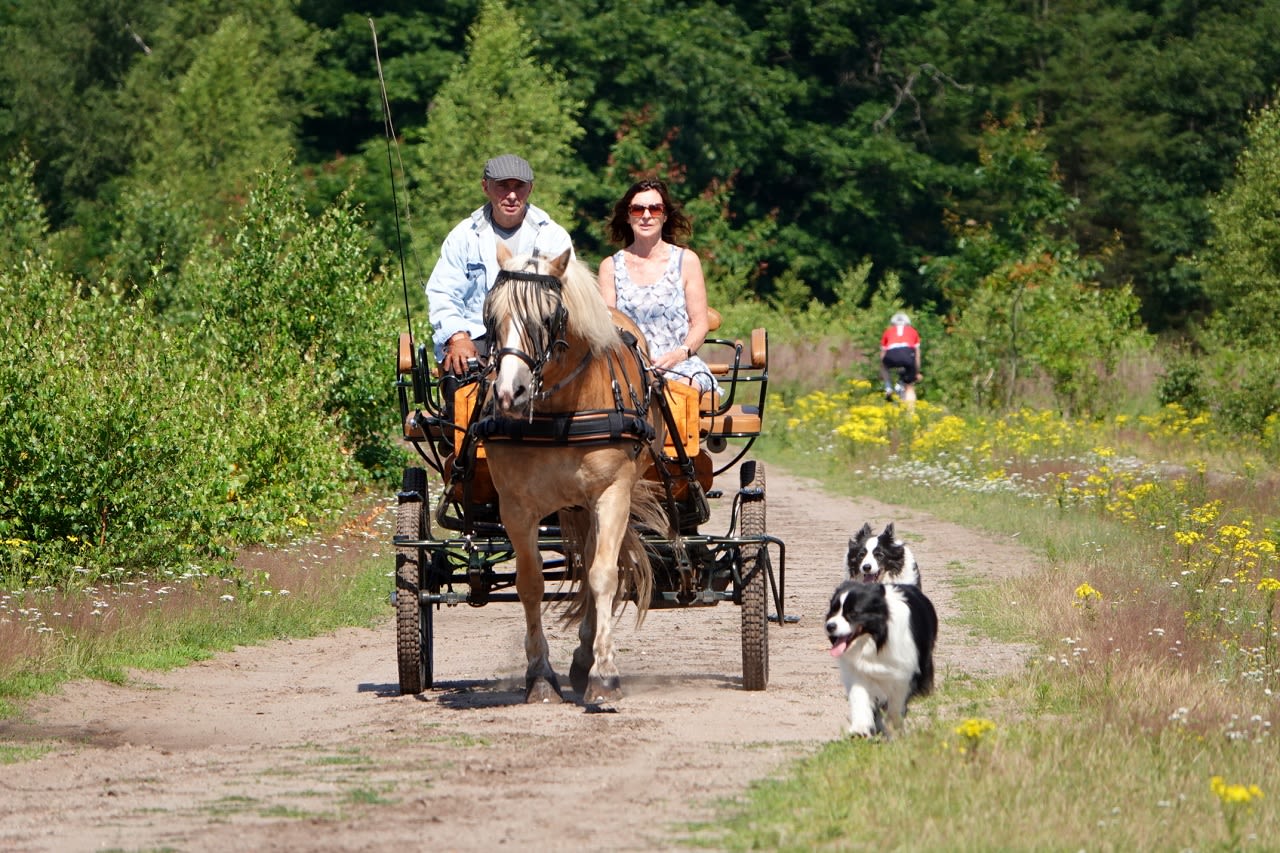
(863, 533)
(888, 533)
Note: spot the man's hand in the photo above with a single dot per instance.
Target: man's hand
(457, 352)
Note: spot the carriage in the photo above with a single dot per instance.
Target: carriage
(455, 545)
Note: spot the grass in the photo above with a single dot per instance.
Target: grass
(18, 753)
(1143, 718)
(1036, 781)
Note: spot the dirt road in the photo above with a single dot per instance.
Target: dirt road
(307, 746)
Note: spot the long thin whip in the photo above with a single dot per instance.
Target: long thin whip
(389, 131)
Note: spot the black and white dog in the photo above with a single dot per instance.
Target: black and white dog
(883, 635)
(881, 559)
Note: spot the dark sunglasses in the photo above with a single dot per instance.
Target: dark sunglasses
(655, 209)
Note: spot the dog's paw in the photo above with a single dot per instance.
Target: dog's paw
(862, 734)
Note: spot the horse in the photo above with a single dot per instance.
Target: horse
(571, 430)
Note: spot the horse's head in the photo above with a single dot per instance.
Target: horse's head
(525, 320)
(543, 314)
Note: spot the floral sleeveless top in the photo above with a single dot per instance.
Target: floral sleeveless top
(660, 312)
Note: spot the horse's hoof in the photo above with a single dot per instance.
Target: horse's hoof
(540, 691)
(602, 690)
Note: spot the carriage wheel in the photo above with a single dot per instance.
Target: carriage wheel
(755, 587)
(413, 617)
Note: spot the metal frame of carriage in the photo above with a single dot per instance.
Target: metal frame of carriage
(451, 546)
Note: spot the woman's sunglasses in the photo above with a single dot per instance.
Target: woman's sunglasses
(654, 209)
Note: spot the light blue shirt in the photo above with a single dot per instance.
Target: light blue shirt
(468, 267)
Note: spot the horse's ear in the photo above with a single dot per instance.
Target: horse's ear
(504, 254)
(560, 264)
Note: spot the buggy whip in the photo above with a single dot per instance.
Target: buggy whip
(389, 131)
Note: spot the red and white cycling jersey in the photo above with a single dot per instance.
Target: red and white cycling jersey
(899, 336)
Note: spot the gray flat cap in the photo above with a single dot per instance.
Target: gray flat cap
(506, 167)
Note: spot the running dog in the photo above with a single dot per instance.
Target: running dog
(881, 559)
(883, 636)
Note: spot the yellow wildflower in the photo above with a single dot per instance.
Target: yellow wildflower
(1234, 793)
(1084, 592)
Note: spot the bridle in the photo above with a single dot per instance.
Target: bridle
(546, 339)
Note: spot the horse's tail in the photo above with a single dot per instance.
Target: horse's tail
(648, 512)
(635, 571)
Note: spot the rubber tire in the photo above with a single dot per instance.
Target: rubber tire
(413, 618)
(755, 589)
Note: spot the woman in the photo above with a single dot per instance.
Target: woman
(657, 282)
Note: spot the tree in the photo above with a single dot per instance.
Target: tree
(1143, 106)
(1024, 301)
(63, 64)
(1240, 266)
(498, 100)
(228, 115)
(23, 222)
(1240, 269)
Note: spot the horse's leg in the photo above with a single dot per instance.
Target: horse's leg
(612, 514)
(583, 655)
(540, 680)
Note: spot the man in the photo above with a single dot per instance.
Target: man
(900, 350)
(468, 264)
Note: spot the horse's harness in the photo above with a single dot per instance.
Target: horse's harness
(629, 417)
(627, 421)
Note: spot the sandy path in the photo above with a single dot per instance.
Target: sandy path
(306, 745)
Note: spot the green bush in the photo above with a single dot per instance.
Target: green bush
(296, 300)
(1245, 404)
(1183, 382)
(136, 443)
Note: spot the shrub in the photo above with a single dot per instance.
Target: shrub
(135, 443)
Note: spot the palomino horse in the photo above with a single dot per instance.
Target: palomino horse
(571, 432)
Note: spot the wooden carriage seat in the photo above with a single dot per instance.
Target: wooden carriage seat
(685, 411)
(742, 418)
(413, 428)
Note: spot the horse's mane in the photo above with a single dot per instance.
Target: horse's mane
(588, 315)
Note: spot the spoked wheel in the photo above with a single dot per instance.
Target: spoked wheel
(755, 587)
(413, 617)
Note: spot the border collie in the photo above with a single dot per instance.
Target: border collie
(881, 559)
(883, 636)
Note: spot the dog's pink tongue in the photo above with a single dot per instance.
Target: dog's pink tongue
(839, 647)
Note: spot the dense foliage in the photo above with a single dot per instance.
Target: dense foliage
(199, 198)
(134, 441)
(1233, 370)
(842, 129)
